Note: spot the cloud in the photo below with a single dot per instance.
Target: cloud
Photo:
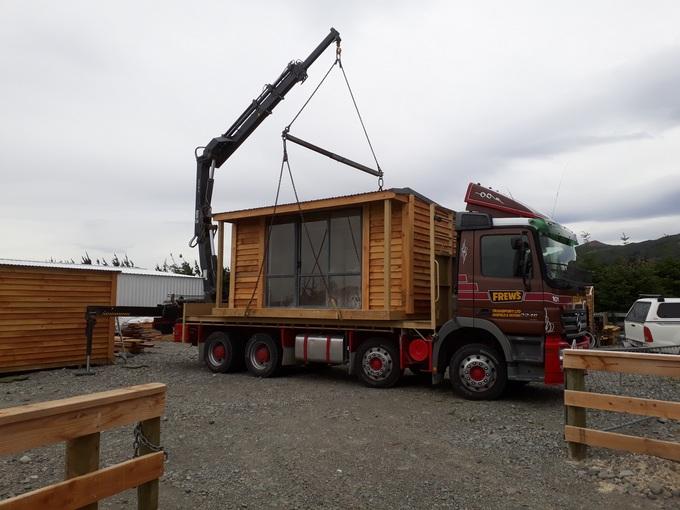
(104, 106)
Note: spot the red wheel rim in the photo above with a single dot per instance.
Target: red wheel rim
(477, 374)
(375, 363)
(262, 354)
(219, 352)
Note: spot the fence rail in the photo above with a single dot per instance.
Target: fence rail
(577, 400)
(79, 421)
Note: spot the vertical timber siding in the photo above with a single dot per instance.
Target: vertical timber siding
(42, 316)
(376, 252)
(421, 258)
(249, 254)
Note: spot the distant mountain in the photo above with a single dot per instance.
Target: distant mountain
(657, 249)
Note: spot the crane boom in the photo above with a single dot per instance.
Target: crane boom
(219, 149)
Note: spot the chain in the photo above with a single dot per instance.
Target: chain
(380, 183)
(142, 440)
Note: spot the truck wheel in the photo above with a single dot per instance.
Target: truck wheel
(378, 363)
(478, 372)
(263, 355)
(222, 353)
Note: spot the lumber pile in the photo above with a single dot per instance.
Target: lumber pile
(130, 345)
(610, 334)
(142, 331)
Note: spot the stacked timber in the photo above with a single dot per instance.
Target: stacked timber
(42, 315)
(142, 331)
(131, 345)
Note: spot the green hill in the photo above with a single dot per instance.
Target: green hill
(621, 273)
(653, 250)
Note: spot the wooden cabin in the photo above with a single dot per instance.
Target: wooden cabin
(42, 314)
(364, 257)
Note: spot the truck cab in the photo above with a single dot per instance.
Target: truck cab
(519, 299)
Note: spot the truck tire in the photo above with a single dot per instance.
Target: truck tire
(263, 355)
(378, 363)
(222, 353)
(478, 372)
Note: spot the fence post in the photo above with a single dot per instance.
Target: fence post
(574, 379)
(82, 456)
(147, 494)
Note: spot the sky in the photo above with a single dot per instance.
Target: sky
(571, 107)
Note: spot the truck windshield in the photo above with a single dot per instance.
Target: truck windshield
(557, 256)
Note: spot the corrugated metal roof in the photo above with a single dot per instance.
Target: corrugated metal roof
(320, 202)
(151, 272)
(92, 267)
(60, 265)
(352, 195)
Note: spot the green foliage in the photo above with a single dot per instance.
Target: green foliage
(618, 284)
(181, 267)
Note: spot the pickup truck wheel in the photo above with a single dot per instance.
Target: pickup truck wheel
(222, 353)
(262, 356)
(378, 363)
(478, 372)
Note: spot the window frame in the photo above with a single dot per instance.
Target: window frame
(639, 304)
(301, 238)
(674, 310)
(524, 236)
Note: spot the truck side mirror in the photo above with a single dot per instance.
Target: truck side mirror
(522, 257)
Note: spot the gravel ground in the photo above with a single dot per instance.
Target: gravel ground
(318, 438)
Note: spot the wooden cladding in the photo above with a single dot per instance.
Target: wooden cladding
(247, 259)
(399, 256)
(42, 316)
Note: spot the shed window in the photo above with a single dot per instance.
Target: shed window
(316, 263)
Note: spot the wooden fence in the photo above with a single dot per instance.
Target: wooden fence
(577, 400)
(79, 421)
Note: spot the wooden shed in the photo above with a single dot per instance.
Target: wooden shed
(334, 258)
(42, 314)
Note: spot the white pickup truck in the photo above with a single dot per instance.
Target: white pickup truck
(653, 322)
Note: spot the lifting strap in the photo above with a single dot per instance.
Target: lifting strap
(285, 163)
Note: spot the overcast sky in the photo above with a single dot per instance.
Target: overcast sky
(103, 103)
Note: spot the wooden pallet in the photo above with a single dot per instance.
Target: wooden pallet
(131, 345)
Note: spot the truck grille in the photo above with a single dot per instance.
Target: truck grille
(575, 323)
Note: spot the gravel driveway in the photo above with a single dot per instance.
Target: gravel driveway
(318, 438)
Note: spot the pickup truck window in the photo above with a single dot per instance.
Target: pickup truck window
(669, 310)
(638, 313)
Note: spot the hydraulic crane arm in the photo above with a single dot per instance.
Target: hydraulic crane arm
(221, 148)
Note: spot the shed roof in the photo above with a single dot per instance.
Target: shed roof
(322, 203)
(91, 267)
(57, 265)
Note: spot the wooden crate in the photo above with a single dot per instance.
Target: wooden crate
(42, 316)
(405, 239)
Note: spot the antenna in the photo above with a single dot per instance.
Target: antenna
(557, 194)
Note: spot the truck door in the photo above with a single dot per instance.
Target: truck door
(508, 284)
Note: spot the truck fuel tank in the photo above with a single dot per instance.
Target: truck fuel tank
(320, 348)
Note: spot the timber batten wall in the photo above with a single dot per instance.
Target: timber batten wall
(42, 316)
(404, 236)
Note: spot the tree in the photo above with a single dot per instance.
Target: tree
(181, 267)
(585, 236)
(624, 238)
